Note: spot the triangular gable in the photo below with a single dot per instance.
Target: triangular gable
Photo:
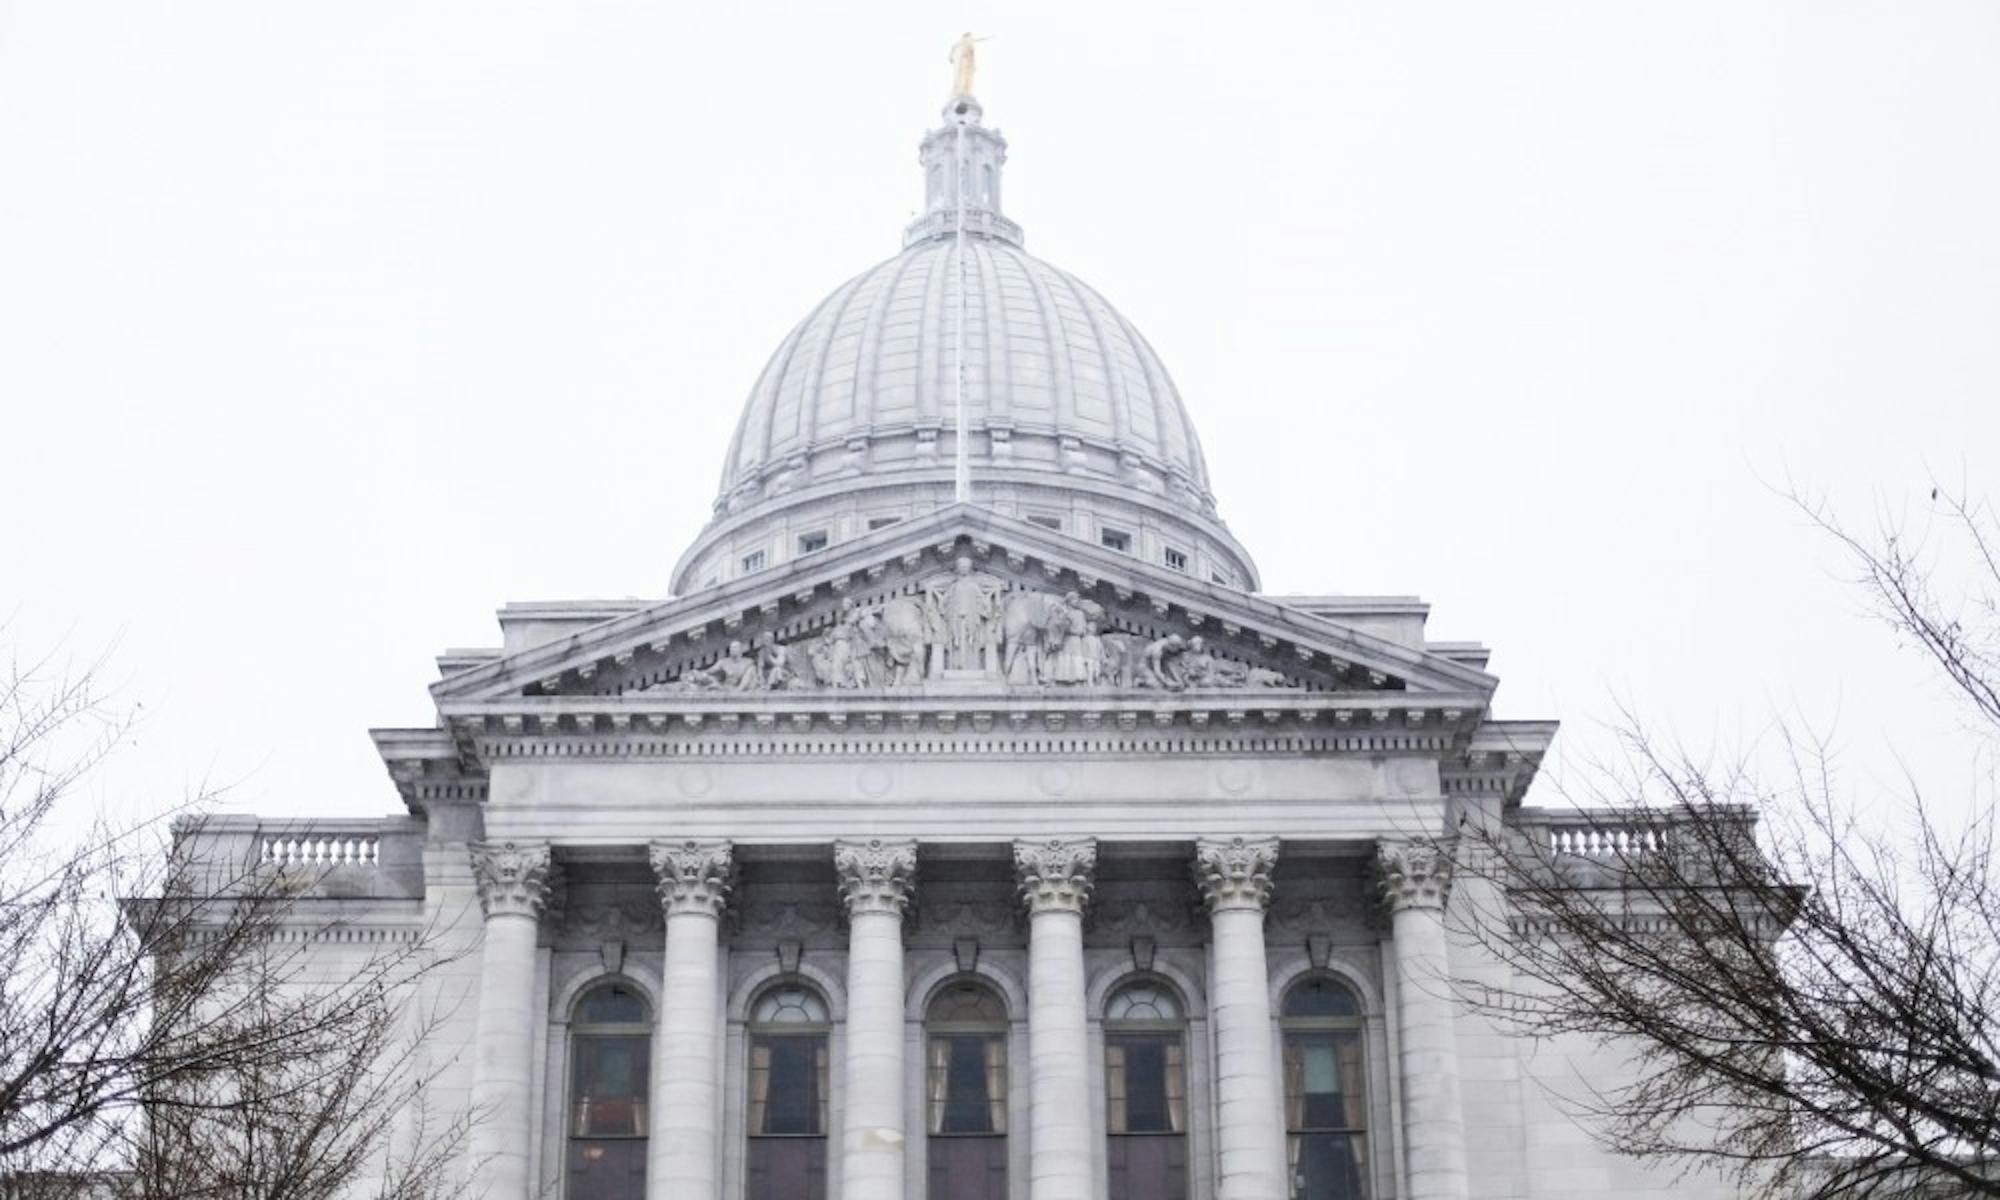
(901, 576)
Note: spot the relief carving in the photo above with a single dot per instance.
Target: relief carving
(1056, 875)
(513, 879)
(787, 919)
(876, 876)
(968, 625)
(1412, 875)
(693, 877)
(1235, 873)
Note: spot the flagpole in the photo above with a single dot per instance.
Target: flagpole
(962, 463)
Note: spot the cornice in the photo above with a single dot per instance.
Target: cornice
(988, 726)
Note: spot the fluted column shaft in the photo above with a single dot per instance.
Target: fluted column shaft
(694, 880)
(876, 881)
(1235, 879)
(1056, 878)
(514, 884)
(1414, 882)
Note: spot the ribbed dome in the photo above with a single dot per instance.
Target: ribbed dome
(1070, 420)
(1066, 380)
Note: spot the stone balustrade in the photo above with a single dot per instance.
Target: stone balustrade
(380, 858)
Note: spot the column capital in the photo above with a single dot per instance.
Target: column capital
(514, 878)
(1056, 874)
(693, 877)
(1412, 874)
(876, 875)
(1235, 873)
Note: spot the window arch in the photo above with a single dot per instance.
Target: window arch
(1145, 1092)
(965, 1088)
(1326, 1090)
(610, 1051)
(787, 1117)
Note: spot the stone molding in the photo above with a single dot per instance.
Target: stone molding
(1235, 873)
(876, 876)
(693, 877)
(1056, 874)
(1413, 875)
(514, 878)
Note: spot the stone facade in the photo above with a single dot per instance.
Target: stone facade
(971, 855)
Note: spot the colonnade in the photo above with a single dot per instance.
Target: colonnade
(877, 879)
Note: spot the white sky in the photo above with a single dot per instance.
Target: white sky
(327, 328)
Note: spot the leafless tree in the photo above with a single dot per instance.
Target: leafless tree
(163, 1029)
(1811, 1000)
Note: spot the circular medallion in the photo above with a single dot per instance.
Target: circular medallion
(1053, 781)
(1233, 777)
(694, 781)
(875, 780)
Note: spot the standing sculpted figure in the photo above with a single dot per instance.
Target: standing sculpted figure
(965, 610)
(963, 63)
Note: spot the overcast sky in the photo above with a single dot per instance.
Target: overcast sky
(326, 328)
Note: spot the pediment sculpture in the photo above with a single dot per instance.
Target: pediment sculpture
(967, 626)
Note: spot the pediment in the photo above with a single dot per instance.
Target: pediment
(963, 601)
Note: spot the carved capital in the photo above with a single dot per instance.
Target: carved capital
(515, 879)
(1056, 874)
(1412, 874)
(1235, 873)
(876, 875)
(693, 877)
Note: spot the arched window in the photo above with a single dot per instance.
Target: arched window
(1326, 1091)
(1145, 1093)
(610, 1045)
(966, 1089)
(787, 1117)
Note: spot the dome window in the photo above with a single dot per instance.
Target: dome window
(1046, 521)
(809, 542)
(1177, 560)
(875, 523)
(753, 561)
(1115, 539)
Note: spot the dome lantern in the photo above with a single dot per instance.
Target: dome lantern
(985, 155)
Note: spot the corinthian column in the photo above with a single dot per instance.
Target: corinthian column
(876, 879)
(1234, 875)
(514, 882)
(1055, 882)
(1414, 881)
(694, 879)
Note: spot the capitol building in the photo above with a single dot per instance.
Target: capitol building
(967, 823)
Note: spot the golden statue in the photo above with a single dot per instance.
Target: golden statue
(962, 62)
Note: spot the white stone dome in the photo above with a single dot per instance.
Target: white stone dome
(1072, 419)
